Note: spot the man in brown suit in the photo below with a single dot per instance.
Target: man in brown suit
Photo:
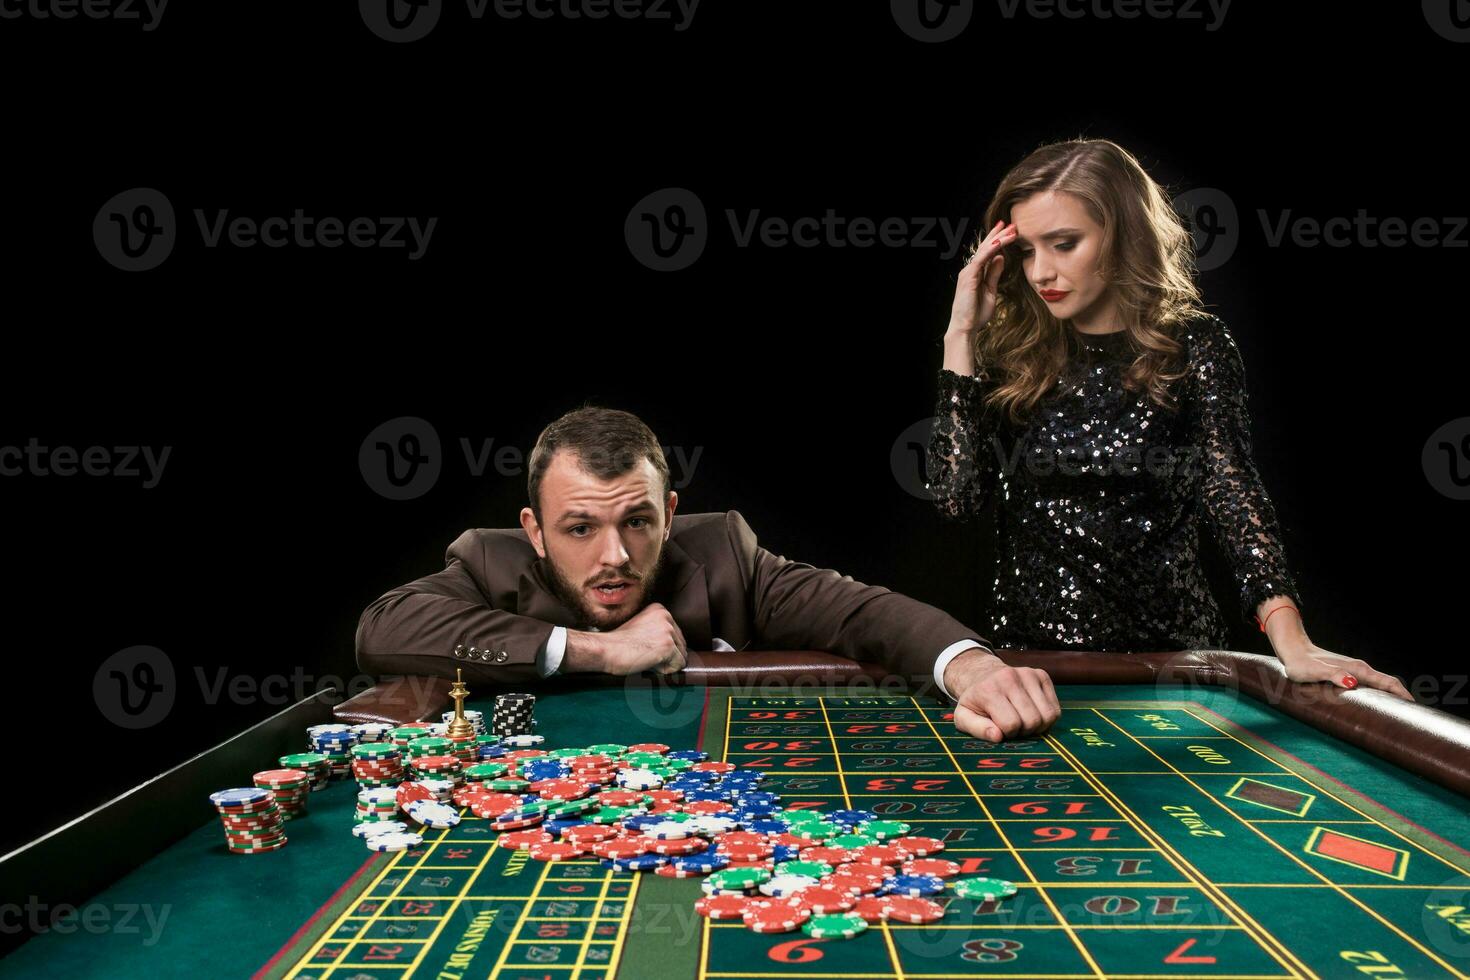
(601, 576)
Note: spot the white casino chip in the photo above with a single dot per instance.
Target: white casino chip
(782, 885)
(522, 741)
(376, 828)
(393, 842)
(710, 824)
(431, 814)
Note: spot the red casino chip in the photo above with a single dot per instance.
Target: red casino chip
(589, 761)
(665, 795)
(775, 918)
(557, 851)
(720, 767)
(707, 807)
(436, 763)
(871, 908)
(919, 846)
(824, 901)
(879, 854)
(467, 794)
(655, 747)
(745, 852)
(588, 834)
(658, 808)
(409, 792)
(832, 855)
(525, 754)
(619, 797)
(938, 867)
(674, 848)
(858, 883)
(491, 805)
(623, 847)
(788, 840)
(723, 906)
(523, 839)
(736, 837)
(671, 870)
(518, 824)
(561, 789)
(902, 908)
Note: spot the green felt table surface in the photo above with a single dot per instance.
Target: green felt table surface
(197, 911)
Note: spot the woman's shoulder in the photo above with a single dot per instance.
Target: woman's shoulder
(1209, 346)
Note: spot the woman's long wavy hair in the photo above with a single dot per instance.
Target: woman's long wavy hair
(1147, 260)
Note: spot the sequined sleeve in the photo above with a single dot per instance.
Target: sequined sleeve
(961, 460)
(1236, 504)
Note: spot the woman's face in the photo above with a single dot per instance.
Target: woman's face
(1059, 247)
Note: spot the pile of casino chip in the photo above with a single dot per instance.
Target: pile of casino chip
(635, 808)
(676, 814)
(514, 714)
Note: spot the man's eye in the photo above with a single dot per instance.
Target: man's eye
(579, 527)
(639, 521)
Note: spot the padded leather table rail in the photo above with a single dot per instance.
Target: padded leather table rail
(1420, 739)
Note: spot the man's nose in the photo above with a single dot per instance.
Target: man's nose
(613, 551)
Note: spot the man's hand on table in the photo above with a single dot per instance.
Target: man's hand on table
(996, 702)
(651, 640)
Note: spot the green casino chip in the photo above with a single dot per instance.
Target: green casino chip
(842, 926)
(607, 748)
(884, 829)
(812, 869)
(816, 830)
(983, 889)
(507, 785)
(732, 878)
(852, 842)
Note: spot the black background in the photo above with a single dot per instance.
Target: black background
(791, 370)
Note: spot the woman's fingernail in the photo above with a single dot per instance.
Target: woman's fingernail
(1349, 681)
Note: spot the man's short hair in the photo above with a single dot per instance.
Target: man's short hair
(606, 441)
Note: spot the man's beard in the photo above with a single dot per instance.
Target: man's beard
(582, 607)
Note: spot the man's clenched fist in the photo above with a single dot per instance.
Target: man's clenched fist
(996, 702)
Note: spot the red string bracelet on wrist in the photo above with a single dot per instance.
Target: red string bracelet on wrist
(1263, 622)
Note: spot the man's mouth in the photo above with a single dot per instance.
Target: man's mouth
(611, 593)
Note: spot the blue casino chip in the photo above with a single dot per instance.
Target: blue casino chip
(693, 755)
(914, 886)
(851, 818)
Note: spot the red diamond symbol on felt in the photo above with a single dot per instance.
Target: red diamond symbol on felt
(1366, 855)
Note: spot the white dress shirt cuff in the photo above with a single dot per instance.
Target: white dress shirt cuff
(950, 652)
(556, 647)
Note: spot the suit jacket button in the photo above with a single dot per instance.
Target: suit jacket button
(459, 650)
(484, 654)
(501, 657)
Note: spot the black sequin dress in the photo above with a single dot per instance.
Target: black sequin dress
(1100, 495)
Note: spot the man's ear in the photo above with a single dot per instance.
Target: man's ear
(532, 527)
(670, 505)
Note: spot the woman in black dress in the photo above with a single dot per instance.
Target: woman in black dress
(1086, 393)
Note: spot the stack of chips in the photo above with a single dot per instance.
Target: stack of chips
(379, 803)
(407, 733)
(290, 787)
(337, 747)
(475, 718)
(377, 764)
(314, 764)
(251, 818)
(372, 731)
(445, 767)
(514, 715)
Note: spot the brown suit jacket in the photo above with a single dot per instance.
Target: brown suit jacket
(718, 582)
